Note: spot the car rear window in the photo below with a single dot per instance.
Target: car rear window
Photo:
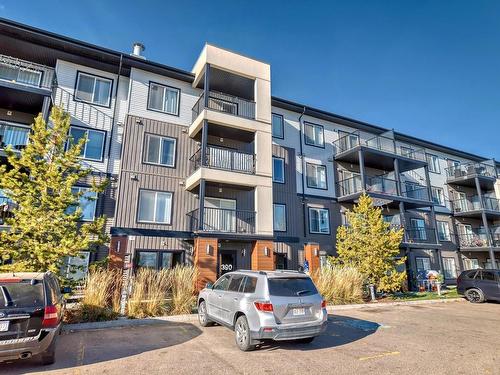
(291, 287)
(471, 274)
(21, 294)
(487, 275)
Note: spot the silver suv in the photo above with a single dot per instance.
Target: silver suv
(258, 305)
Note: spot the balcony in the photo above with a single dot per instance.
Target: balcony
(478, 240)
(420, 235)
(224, 159)
(379, 152)
(465, 174)
(474, 207)
(21, 73)
(225, 103)
(12, 135)
(219, 220)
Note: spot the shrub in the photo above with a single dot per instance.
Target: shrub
(183, 289)
(338, 284)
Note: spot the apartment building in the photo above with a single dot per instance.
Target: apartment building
(208, 168)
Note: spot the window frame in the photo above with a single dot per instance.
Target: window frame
(284, 212)
(87, 188)
(95, 76)
(159, 254)
(156, 192)
(433, 188)
(146, 149)
(446, 233)
(282, 126)
(423, 257)
(87, 130)
(326, 176)
(165, 87)
(454, 269)
(283, 169)
(429, 155)
(307, 123)
(309, 209)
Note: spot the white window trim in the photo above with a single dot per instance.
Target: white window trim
(431, 157)
(146, 151)
(108, 102)
(284, 213)
(169, 222)
(311, 209)
(282, 169)
(163, 109)
(87, 130)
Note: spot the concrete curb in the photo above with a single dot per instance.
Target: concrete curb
(192, 318)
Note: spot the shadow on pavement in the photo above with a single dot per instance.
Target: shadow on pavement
(100, 345)
(341, 330)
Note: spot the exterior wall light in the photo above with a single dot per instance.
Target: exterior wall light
(316, 252)
(209, 249)
(266, 251)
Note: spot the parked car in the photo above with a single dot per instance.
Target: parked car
(479, 285)
(31, 311)
(258, 305)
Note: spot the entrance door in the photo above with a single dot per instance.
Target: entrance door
(220, 215)
(281, 261)
(227, 261)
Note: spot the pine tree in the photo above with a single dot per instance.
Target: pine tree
(46, 226)
(369, 244)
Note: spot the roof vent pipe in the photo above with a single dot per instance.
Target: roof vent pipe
(138, 50)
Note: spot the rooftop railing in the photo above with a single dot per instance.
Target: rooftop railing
(470, 170)
(226, 103)
(26, 73)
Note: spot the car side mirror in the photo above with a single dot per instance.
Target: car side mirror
(66, 290)
(209, 286)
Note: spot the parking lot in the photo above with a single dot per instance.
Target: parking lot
(455, 337)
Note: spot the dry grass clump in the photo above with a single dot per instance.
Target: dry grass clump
(339, 285)
(183, 290)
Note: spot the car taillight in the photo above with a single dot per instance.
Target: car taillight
(264, 306)
(50, 318)
(323, 304)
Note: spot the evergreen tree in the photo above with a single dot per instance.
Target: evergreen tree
(46, 226)
(369, 244)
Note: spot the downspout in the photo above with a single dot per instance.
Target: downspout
(114, 111)
(301, 132)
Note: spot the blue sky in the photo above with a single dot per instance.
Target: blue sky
(430, 69)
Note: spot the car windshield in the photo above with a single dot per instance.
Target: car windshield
(21, 294)
(291, 287)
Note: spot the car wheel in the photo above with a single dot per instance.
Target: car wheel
(203, 315)
(306, 340)
(242, 334)
(474, 295)
(48, 357)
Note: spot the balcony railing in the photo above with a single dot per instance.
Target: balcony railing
(474, 204)
(380, 143)
(470, 170)
(420, 235)
(479, 238)
(26, 73)
(415, 191)
(222, 220)
(13, 135)
(225, 159)
(221, 102)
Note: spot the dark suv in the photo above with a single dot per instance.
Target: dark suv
(31, 312)
(479, 285)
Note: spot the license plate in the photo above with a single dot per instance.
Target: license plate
(4, 326)
(298, 312)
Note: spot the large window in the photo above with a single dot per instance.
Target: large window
(160, 150)
(319, 221)
(164, 98)
(316, 176)
(158, 259)
(93, 89)
(433, 162)
(423, 264)
(278, 126)
(87, 202)
(450, 269)
(93, 148)
(443, 231)
(314, 135)
(438, 195)
(155, 207)
(279, 216)
(278, 170)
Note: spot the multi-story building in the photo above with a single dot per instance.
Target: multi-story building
(208, 168)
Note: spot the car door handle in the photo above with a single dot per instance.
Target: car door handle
(219, 295)
(235, 298)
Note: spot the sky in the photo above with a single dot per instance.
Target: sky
(427, 68)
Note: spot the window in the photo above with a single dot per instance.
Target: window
(471, 264)
(438, 195)
(222, 283)
(433, 161)
(418, 229)
(488, 275)
(160, 150)
(313, 135)
(291, 287)
(155, 207)
(87, 202)
(249, 284)
(93, 89)
(278, 170)
(423, 264)
(319, 221)
(235, 283)
(316, 176)
(158, 259)
(450, 270)
(278, 126)
(279, 215)
(94, 147)
(443, 231)
(164, 98)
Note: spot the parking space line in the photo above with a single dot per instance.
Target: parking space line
(379, 356)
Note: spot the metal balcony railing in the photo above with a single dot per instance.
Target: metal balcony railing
(479, 238)
(420, 235)
(26, 73)
(13, 135)
(415, 191)
(378, 142)
(474, 204)
(225, 159)
(470, 170)
(224, 220)
(226, 103)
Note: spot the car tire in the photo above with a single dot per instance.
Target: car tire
(242, 334)
(474, 295)
(306, 340)
(203, 315)
(48, 357)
